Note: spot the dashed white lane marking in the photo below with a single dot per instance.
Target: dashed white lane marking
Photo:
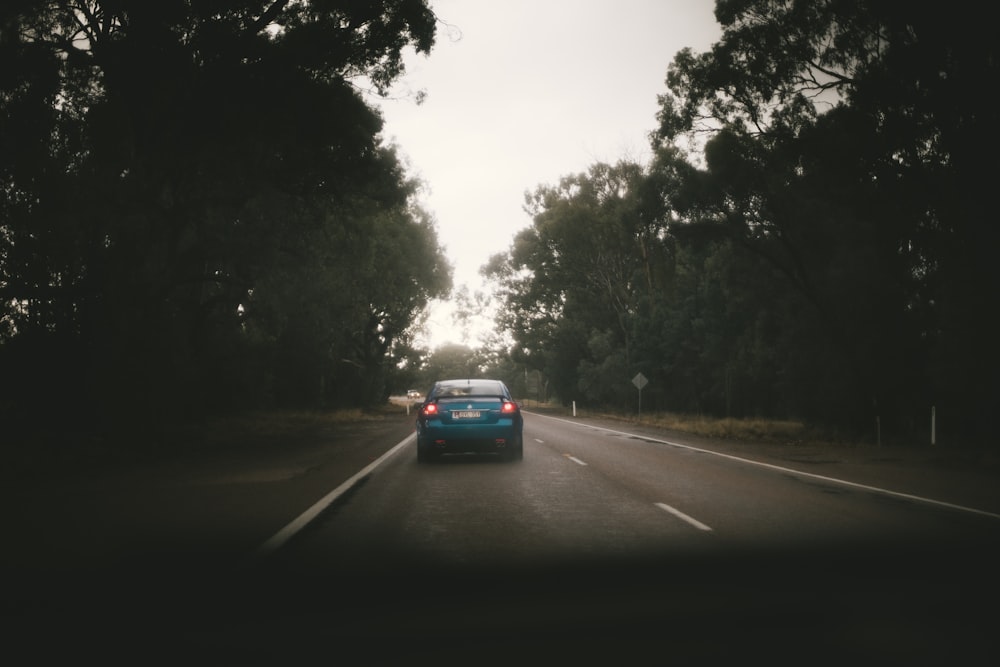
(541, 442)
(574, 459)
(792, 471)
(684, 517)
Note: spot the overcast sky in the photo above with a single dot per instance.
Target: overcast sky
(521, 93)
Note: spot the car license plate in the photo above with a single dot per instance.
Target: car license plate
(465, 414)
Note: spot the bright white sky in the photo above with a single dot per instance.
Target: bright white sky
(521, 93)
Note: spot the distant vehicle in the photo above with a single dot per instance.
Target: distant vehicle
(469, 416)
(413, 393)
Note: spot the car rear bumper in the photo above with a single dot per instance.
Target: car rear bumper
(461, 439)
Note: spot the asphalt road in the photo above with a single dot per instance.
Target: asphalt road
(591, 493)
(607, 542)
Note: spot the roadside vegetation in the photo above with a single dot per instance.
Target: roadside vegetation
(747, 430)
(198, 210)
(727, 428)
(811, 240)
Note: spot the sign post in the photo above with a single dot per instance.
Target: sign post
(640, 381)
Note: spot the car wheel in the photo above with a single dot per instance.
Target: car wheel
(423, 455)
(516, 452)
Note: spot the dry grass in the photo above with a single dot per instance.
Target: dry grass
(239, 431)
(773, 431)
(161, 438)
(743, 429)
(277, 425)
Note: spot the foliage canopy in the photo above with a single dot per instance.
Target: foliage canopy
(827, 254)
(198, 211)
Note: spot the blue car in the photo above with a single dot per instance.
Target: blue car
(469, 416)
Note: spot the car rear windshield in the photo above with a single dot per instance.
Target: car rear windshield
(469, 388)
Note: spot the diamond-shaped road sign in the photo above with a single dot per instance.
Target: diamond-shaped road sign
(640, 381)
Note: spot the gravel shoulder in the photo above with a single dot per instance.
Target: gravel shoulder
(210, 503)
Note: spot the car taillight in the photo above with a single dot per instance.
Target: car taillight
(508, 408)
(430, 409)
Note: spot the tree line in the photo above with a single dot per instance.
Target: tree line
(198, 211)
(814, 237)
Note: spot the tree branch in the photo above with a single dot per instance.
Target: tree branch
(269, 15)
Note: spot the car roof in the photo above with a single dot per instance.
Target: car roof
(470, 387)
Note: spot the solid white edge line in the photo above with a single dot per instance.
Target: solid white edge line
(681, 515)
(286, 533)
(831, 480)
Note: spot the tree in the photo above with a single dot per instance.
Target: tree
(845, 139)
(453, 361)
(577, 272)
(169, 168)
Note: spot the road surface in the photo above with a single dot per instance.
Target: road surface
(589, 493)
(604, 542)
(607, 542)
